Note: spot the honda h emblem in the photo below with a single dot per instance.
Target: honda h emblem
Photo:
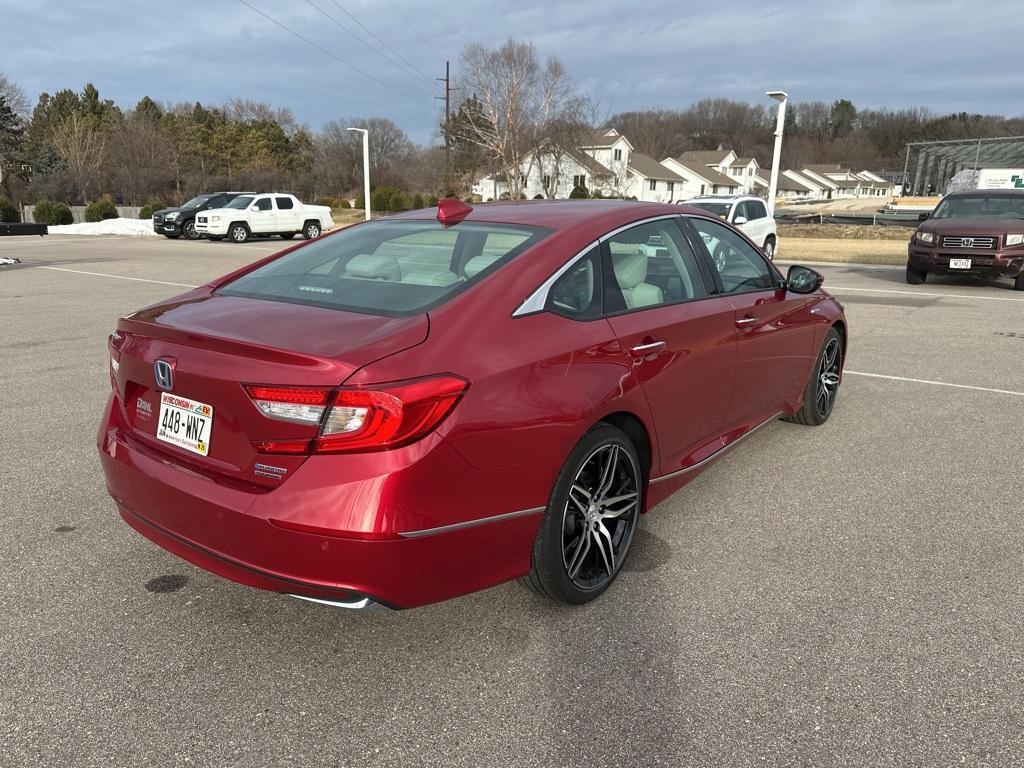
(164, 374)
(968, 242)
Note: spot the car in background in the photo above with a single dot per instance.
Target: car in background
(747, 213)
(979, 233)
(435, 402)
(265, 215)
(181, 222)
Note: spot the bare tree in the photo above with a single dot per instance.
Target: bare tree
(15, 96)
(80, 143)
(141, 158)
(520, 98)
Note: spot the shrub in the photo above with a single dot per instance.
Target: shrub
(579, 193)
(52, 213)
(399, 202)
(380, 198)
(8, 211)
(330, 202)
(431, 201)
(147, 211)
(341, 202)
(100, 210)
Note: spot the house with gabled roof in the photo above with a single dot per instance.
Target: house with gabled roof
(700, 178)
(651, 181)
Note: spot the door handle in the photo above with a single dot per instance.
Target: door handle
(649, 347)
(746, 321)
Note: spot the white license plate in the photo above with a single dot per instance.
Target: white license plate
(185, 423)
(959, 263)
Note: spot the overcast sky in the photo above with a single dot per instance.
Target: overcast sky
(947, 55)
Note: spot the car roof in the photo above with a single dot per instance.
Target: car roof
(555, 214)
(987, 192)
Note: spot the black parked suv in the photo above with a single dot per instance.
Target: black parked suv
(175, 222)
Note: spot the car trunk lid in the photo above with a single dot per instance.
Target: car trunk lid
(215, 345)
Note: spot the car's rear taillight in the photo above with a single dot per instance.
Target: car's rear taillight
(370, 418)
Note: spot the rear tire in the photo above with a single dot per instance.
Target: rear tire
(590, 519)
(916, 276)
(823, 386)
(311, 230)
(239, 232)
(769, 248)
(1018, 282)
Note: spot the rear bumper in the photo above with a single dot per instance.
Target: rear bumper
(1009, 263)
(427, 528)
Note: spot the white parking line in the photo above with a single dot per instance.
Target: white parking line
(841, 288)
(119, 277)
(935, 383)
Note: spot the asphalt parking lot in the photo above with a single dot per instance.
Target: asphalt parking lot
(847, 595)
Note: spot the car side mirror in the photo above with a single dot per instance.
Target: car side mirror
(923, 216)
(803, 279)
(740, 220)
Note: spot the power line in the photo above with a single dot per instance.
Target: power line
(365, 44)
(375, 37)
(323, 50)
(410, 26)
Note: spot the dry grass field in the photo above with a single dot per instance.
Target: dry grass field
(842, 250)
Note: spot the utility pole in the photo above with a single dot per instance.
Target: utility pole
(447, 99)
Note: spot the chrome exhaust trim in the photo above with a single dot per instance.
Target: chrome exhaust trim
(360, 604)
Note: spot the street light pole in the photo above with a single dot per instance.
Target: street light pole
(780, 124)
(366, 169)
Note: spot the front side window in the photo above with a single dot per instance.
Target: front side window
(391, 268)
(756, 210)
(739, 265)
(650, 265)
(263, 204)
(721, 210)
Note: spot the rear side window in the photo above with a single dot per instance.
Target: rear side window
(283, 203)
(388, 267)
(577, 293)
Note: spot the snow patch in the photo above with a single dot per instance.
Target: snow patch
(130, 227)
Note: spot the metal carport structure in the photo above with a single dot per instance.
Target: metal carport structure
(936, 162)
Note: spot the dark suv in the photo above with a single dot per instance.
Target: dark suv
(175, 222)
(978, 233)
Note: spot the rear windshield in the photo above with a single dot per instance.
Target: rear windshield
(387, 267)
(968, 206)
(718, 209)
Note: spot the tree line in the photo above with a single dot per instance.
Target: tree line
(77, 146)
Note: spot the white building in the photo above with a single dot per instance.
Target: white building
(700, 178)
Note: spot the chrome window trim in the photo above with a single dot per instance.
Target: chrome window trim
(538, 300)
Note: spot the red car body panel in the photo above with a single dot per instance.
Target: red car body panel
(458, 510)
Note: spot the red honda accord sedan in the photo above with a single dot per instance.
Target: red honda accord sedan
(429, 404)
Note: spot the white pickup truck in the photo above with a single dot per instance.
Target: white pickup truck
(270, 214)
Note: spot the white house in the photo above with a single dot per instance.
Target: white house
(652, 181)
(700, 179)
(791, 186)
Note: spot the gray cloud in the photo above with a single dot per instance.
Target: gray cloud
(946, 55)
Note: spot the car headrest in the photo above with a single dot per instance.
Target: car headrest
(478, 264)
(371, 267)
(630, 269)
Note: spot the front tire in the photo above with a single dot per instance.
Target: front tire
(769, 248)
(239, 232)
(189, 231)
(916, 276)
(311, 230)
(823, 387)
(590, 519)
